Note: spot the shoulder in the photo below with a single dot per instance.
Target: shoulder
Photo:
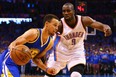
(60, 27)
(87, 20)
(33, 30)
(32, 34)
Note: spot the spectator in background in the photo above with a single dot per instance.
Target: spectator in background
(104, 56)
(96, 62)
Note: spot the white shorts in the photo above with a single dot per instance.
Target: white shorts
(62, 60)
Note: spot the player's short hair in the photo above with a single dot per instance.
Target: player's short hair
(69, 4)
(49, 17)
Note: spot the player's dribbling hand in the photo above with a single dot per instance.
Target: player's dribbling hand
(107, 31)
(11, 47)
(51, 71)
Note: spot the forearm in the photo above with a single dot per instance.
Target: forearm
(99, 26)
(29, 36)
(40, 64)
(19, 40)
(102, 27)
(88, 21)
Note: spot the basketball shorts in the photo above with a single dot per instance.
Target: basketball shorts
(7, 67)
(59, 60)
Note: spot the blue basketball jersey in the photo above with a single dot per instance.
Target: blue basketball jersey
(37, 47)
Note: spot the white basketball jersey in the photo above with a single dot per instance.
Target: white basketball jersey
(72, 39)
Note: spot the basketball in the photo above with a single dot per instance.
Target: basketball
(21, 54)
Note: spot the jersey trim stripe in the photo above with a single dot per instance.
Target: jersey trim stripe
(57, 40)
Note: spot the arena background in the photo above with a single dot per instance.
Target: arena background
(17, 16)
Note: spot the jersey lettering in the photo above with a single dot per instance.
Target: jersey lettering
(73, 35)
(34, 52)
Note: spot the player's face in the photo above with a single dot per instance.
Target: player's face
(67, 12)
(53, 26)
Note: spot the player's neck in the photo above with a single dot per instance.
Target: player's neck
(72, 23)
(71, 20)
(45, 35)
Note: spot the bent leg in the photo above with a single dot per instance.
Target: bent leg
(77, 71)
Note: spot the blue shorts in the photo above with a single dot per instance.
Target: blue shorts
(7, 67)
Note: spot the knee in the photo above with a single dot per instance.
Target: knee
(78, 68)
(75, 74)
(49, 76)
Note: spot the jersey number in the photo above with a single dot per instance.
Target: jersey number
(73, 41)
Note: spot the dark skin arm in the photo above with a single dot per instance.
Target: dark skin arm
(87, 21)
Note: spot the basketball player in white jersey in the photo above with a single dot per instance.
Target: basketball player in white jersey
(69, 45)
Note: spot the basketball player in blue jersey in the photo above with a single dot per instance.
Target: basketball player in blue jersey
(41, 42)
(70, 43)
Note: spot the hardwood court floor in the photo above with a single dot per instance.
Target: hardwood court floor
(31, 76)
(42, 76)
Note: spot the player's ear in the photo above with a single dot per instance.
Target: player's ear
(46, 23)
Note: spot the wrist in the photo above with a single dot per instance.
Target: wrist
(46, 69)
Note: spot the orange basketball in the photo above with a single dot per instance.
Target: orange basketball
(21, 54)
